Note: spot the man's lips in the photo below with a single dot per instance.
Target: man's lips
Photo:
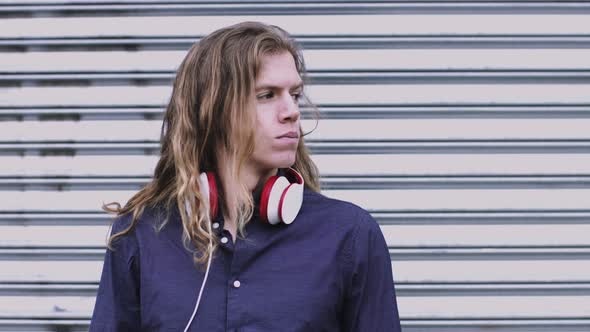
(291, 134)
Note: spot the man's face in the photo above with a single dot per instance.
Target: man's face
(278, 88)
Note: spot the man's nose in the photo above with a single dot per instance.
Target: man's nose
(289, 109)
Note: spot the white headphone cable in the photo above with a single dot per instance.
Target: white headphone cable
(188, 209)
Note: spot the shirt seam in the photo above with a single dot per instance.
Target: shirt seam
(350, 258)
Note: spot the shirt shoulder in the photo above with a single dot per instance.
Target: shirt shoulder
(137, 233)
(359, 234)
(345, 214)
(150, 220)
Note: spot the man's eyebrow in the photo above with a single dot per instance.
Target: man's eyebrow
(299, 85)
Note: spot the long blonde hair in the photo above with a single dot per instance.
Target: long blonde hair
(210, 110)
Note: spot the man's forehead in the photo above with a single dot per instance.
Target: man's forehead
(278, 71)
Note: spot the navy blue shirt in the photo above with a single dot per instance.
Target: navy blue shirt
(329, 270)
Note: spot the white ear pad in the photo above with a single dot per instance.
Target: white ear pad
(291, 203)
(274, 199)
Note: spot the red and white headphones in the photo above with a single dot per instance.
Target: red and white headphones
(280, 200)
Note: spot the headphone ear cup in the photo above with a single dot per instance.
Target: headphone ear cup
(270, 199)
(281, 198)
(209, 191)
(290, 203)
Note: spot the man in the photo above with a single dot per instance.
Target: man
(232, 233)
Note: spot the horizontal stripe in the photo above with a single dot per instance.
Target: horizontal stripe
(450, 307)
(24, 44)
(304, 7)
(318, 78)
(71, 218)
(368, 111)
(408, 325)
(315, 147)
(397, 236)
(327, 130)
(401, 289)
(425, 200)
(397, 254)
(405, 271)
(345, 165)
(173, 26)
(327, 183)
(523, 94)
(315, 60)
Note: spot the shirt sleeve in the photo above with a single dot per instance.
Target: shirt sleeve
(117, 306)
(370, 303)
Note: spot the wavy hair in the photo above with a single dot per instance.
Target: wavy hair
(211, 110)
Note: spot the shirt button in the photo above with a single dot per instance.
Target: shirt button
(224, 240)
(237, 284)
(216, 225)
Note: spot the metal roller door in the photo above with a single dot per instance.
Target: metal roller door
(462, 126)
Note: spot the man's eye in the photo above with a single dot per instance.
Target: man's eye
(267, 95)
(296, 96)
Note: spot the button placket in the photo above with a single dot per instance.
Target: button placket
(225, 240)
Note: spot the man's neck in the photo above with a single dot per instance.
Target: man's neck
(254, 178)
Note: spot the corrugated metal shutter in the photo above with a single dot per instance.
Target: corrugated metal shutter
(463, 126)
